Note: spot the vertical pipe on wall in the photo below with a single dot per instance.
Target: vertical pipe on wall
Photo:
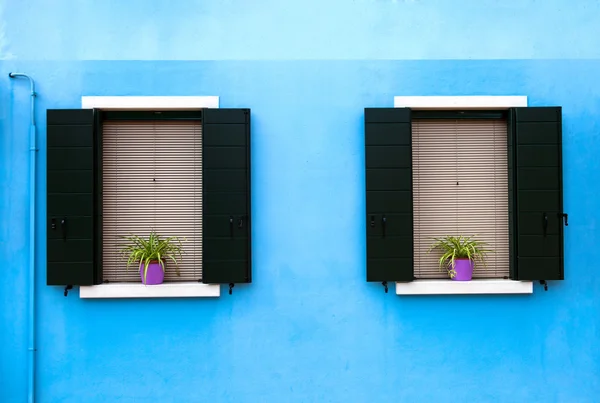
(32, 195)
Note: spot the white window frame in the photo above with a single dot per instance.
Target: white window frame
(165, 290)
(447, 286)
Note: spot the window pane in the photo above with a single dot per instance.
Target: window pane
(152, 179)
(460, 187)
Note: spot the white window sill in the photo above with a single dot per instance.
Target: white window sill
(446, 287)
(138, 290)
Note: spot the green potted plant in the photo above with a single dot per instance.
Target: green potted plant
(151, 254)
(459, 255)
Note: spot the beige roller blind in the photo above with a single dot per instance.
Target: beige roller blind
(152, 179)
(460, 187)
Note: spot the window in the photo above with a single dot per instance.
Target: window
(183, 173)
(152, 179)
(495, 172)
(460, 187)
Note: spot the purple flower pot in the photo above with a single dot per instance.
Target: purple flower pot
(463, 269)
(154, 274)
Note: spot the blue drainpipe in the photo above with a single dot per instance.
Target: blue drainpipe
(32, 168)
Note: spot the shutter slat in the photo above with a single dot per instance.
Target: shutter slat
(152, 179)
(460, 187)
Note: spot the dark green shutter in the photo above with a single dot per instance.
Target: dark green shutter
(71, 197)
(536, 193)
(226, 250)
(389, 220)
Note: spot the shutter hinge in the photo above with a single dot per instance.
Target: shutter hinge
(67, 288)
(385, 286)
(565, 217)
(545, 284)
(231, 285)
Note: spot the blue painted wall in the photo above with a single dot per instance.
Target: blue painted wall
(309, 328)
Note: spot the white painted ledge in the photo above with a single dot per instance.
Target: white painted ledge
(151, 103)
(460, 102)
(138, 290)
(448, 287)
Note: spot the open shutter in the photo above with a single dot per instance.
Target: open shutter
(536, 206)
(226, 251)
(70, 197)
(388, 163)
